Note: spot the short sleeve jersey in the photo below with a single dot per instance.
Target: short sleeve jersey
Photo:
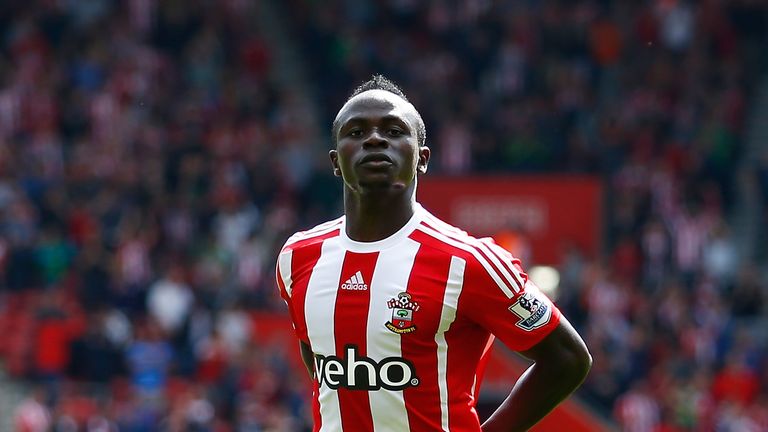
(400, 328)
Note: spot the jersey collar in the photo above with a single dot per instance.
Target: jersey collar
(378, 245)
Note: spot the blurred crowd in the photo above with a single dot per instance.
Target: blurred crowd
(149, 166)
(152, 161)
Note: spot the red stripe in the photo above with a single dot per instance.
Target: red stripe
(480, 371)
(435, 243)
(287, 299)
(350, 323)
(321, 227)
(473, 243)
(465, 346)
(463, 340)
(316, 419)
(318, 229)
(427, 281)
(319, 238)
(281, 284)
(303, 261)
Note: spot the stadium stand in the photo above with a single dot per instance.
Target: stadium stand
(152, 161)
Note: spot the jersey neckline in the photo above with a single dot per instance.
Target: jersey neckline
(378, 245)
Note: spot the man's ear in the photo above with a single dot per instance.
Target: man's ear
(334, 155)
(424, 154)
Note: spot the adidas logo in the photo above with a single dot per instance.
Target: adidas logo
(356, 283)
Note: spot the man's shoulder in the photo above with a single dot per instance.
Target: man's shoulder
(314, 235)
(486, 259)
(450, 237)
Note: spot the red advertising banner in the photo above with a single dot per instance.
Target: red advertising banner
(535, 217)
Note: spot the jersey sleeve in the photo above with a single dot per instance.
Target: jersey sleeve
(285, 284)
(499, 297)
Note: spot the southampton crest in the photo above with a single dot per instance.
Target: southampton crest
(402, 314)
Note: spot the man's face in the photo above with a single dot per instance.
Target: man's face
(377, 145)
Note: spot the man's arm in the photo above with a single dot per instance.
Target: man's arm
(308, 357)
(561, 362)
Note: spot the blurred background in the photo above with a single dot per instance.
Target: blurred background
(154, 156)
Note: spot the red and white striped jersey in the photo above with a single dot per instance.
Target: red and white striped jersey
(400, 327)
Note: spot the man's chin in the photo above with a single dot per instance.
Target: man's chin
(376, 184)
(380, 185)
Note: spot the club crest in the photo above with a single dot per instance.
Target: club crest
(402, 314)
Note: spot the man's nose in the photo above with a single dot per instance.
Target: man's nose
(375, 139)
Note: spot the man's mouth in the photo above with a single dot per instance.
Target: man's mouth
(376, 160)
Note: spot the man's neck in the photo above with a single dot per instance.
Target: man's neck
(372, 217)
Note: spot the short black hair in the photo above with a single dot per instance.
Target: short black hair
(380, 82)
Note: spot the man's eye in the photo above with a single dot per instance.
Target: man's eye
(355, 133)
(396, 132)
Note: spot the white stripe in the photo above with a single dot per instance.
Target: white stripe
(457, 234)
(325, 225)
(390, 277)
(460, 235)
(501, 267)
(354, 279)
(447, 316)
(480, 258)
(359, 276)
(310, 234)
(444, 226)
(317, 231)
(284, 262)
(319, 311)
(502, 253)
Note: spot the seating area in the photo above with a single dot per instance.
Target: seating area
(151, 165)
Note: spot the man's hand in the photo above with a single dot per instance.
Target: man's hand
(561, 362)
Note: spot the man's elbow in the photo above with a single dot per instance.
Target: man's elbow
(578, 365)
(585, 364)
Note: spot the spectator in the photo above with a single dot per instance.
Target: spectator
(736, 383)
(32, 415)
(94, 358)
(56, 328)
(149, 359)
(637, 410)
(170, 300)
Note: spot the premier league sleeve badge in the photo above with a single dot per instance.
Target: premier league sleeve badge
(534, 312)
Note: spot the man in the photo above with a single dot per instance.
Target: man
(396, 310)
